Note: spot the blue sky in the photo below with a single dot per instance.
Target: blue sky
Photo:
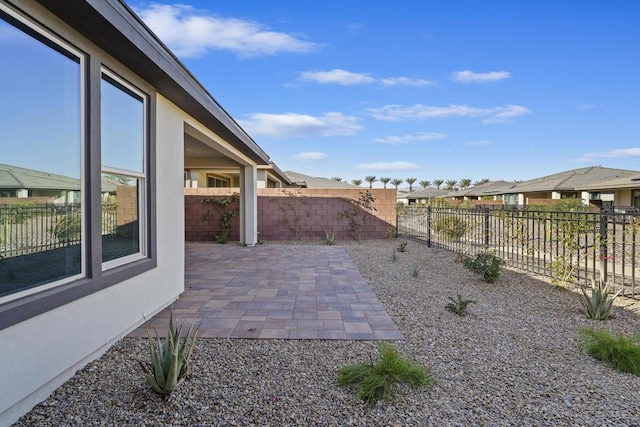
(433, 90)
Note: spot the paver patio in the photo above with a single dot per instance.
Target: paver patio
(277, 291)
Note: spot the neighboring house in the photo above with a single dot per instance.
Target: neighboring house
(29, 184)
(625, 190)
(306, 181)
(569, 184)
(104, 96)
(488, 191)
(421, 196)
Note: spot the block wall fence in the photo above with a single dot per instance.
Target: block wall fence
(292, 214)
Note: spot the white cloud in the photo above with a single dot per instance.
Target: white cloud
(406, 81)
(478, 143)
(611, 154)
(396, 112)
(293, 124)
(310, 156)
(337, 76)
(406, 139)
(190, 33)
(585, 107)
(388, 166)
(471, 77)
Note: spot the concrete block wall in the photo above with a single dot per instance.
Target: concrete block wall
(293, 214)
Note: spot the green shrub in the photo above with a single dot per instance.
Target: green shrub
(379, 381)
(67, 228)
(598, 305)
(329, 237)
(618, 351)
(453, 227)
(485, 263)
(169, 362)
(459, 307)
(415, 272)
(402, 247)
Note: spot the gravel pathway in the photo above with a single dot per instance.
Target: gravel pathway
(512, 361)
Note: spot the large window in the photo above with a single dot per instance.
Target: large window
(75, 192)
(41, 221)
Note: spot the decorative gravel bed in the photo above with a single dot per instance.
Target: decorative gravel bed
(511, 361)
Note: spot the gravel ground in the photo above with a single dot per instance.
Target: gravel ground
(512, 361)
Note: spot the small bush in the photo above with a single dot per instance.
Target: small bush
(329, 237)
(618, 351)
(415, 272)
(486, 264)
(379, 381)
(402, 247)
(458, 307)
(451, 226)
(598, 305)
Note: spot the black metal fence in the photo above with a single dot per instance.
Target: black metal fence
(26, 229)
(568, 247)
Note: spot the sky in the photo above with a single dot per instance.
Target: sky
(447, 90)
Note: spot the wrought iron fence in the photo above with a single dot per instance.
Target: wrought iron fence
(568, 247)
(26, 229)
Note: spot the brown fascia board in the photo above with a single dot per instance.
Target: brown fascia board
(115, 28)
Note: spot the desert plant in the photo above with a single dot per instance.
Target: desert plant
(415, 273)
(485, 263)
(329, 237)
(458, 306)
(402, 247)
(169, 362)
(358, 213)
(379, 380)
(228, 213)
(67, 228)
(597, 306)
(453, 227)
(618, 351)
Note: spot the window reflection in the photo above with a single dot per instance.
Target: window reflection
(40, 171)
(120, 216)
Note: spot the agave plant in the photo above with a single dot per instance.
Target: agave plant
(169, 364)
(598, 305)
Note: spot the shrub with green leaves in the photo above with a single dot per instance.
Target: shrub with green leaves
(169, 361)
(402, 247)
(453, 227)
(598, 305)
(618, 351)
(329, 237)
(458, 307)
(379, 380)
(486, 264)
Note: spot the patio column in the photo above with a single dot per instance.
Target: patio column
(248, 205)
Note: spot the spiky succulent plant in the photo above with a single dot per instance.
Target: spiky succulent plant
(598, 305)
(169, 361)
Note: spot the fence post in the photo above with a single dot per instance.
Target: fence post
(604, 219)
(486, 228)
(429, 227)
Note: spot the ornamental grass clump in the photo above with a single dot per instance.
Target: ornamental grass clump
(169, 361)
(618, 351)
(598, 305)
(379, 380)
(458, 307)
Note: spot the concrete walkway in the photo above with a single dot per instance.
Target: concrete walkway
(277, 291)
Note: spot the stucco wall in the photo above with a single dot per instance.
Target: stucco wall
(293, 214)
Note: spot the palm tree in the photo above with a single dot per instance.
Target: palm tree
(336, 178)
(410, 181)
(356, 182)
(465, 183)
(396, 182)
(385, 180)
(482, 181)
(370, 179)
(451, 184)
(425, 183)
(438, 183)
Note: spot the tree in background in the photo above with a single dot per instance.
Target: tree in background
(438, 183)
(396, 182)
(465, 183)
(385, 180)
(337, 178)
(425, 183)
(370, 179)
(410, 181)
(356, 182)
(450, 184)
(482, 181)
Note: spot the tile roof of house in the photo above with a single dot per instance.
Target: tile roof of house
(628, 181)
(487, 189)
(425, 193)
(572, 180)
(14, 177)
(316, 182)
